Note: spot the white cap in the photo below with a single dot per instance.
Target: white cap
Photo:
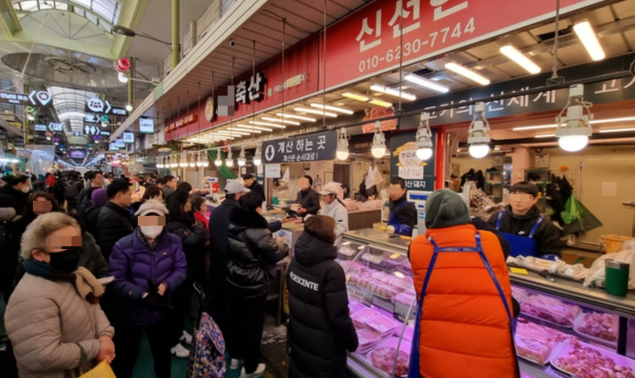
(234, 187)
(328, 189)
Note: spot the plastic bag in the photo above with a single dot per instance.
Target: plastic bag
(572, 210)
(597, 272)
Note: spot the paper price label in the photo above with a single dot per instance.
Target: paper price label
(522, 271)
(375, 259)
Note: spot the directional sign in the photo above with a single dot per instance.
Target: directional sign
(35, 98)
(76, 133)
(91, 130)
(312, 147)
(41, 98)
(55, 126)
(99, 106)
(14, 98)
(40, 128)
(128, 137)
(91, 118)
(104, 133)
(120, 143)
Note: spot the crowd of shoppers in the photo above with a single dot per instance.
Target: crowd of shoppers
(156, 249)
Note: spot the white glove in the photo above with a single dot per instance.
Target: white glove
(390, 229)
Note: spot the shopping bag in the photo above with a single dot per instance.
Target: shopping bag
(102, 370)
(572, 210)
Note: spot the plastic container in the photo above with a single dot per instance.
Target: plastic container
(361, 318)
(402, 368)
(616, 277)
(567, 347)
(581, 327)
(382, 325)
(613, 243)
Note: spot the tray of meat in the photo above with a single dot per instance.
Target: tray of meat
(519, 294)
(361, 318)
(354, 267)
(355, 307)
(536, 343)
(383, 325)
(403, 282)
(550, 310)
(368, 339)
(583, 360)
(383, 357)
(598, 327)
(378, 288)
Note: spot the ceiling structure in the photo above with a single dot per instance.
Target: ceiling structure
(614, 24)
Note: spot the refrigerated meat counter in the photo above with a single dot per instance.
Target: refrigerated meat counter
(563, 330)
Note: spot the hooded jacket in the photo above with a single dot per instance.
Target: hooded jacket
(547, 235)
(134, 266)
(320, 327)
(338, 212)
(464, 324)
(253, 253)
(113, 223)
(193, 239)
(84, 204)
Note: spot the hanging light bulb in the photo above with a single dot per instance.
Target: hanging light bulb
(424, 138)
(574, 129)
(342, 146)
(192, 162)
(173, 163)
(183, 161)
(241, 158)
(159, 165)
(478, 133)
(379, 142)
(229, 161)
(258, 156)
(218, 160)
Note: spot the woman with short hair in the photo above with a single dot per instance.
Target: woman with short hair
(53, 316)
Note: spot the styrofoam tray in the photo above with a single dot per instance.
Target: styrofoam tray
(355, 307)
(392, 342)
(383, 325)
(565, 347)
(549, 321)
(364, 316)
(551, 353)
(579, 322)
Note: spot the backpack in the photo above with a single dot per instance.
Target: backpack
(70, 191)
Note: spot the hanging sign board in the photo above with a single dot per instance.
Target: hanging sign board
(128, 137)
(146, 125)
(40, 128)
(272, 171)
(53, 126)
(3, 134)
(313, 147)
(35, 98)
(99, 106)
(18, 141)
(120, 143)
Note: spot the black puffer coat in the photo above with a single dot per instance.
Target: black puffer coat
(193, 239)
(253, 253)
(320, 327)
(113, 223)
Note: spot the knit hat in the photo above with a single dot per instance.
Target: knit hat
(152, 207)
(444, 208)
(99, 197)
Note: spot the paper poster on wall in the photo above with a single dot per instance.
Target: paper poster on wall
(404, 162)
(410, 166)
(272, 171)
(609, 188)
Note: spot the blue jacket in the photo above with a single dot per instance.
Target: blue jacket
(134, 266)
(403, 216)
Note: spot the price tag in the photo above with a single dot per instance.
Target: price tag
(361, 295)
(395, 256)
(522, 271)
(375, 259)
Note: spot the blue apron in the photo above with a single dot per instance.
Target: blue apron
(521, 245)
(414, 367)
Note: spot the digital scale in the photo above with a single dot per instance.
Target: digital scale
(419, 198)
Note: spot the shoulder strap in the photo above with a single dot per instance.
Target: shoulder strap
(83, 361)
(535, 228)
(498, 222)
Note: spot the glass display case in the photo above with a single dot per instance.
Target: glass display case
(563, 330)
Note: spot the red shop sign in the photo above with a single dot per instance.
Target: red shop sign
(367, 42)
(191, 118)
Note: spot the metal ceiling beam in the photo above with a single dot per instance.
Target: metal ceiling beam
(132, 12)
(30, 36)
(9, 21)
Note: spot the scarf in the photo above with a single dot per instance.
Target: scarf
(150, 244)
(86, 284)
(202, 218)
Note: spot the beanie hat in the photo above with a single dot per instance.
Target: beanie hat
(444, 208)
(152, 207)
(99, 197)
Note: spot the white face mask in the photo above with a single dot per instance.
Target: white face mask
(25, 189)
(151, 232)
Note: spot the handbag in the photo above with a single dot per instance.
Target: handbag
(102, 370)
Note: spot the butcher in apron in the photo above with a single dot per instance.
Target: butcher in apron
(522, 225)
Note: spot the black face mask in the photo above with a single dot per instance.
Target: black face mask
(66, 261)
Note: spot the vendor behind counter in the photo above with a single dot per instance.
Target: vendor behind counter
(308, 198)
(526, 230)
(403, 214)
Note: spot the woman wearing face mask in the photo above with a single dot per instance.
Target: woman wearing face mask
(148, 267)
(18, 189)
(181, 223)
(53, 317)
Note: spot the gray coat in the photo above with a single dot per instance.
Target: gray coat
(46, 320)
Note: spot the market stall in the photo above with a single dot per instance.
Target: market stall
(564, 328)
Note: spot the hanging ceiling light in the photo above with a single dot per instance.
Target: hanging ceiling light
(199, 163)
(574, 129)
(183, 161)
(252, 127)
(415, 79)
(159, 165)
(204, 160)
(478, 133)
(280, 120)
(241, 157)
(379, 142)
(519, 58)
(332, 108)
(192, 163)
(293, 116)
(424, 138)
(384, 104)
(173, 163)
(342, 146)
(355, 96)
(393, 92)
(229, 160)
(123, 78)
(314, 111)
(466, 72)
(258, 156)
(218, 162)
(129, 107)
(589, 39)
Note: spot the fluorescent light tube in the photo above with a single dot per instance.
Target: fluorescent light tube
(457, 68)
(393, 92)
(267, 124)
(318, 112)
(251, 127)
(294, 123)
(618, 130)
(426, 83)
(293, 116)
(381, 103)
(589, 39)
(355, 96)
(332, 108)
(521, 59)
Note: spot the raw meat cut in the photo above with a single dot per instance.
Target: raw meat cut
(404, 283)
(367, 337)
(361, 318)
(550, 309)
(354, 267)
(535, 343)
(355, 307)
(379, 288)
(519, 294)
(382, 324)
(384, 359)
(598, 325)
(582, 361)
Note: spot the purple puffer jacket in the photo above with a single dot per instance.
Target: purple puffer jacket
(133, 263)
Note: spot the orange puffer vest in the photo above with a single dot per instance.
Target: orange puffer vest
(464, 330)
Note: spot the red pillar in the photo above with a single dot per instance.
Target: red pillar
(439, 158)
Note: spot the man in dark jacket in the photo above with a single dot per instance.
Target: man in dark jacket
(96, 181)
(253, 253)
(113, 222)
(403, 214)
(308, 198)
(98, 199)
(522, 215)
(318, 305)
(253, 185)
